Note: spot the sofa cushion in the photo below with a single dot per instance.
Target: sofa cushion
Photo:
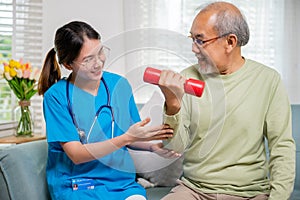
(157, 193)
(22, 171)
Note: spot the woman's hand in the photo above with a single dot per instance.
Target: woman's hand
(140, 132)
(159, 149)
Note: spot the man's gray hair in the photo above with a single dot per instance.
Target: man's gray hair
(228, 21)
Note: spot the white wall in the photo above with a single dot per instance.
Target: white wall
(105, 16)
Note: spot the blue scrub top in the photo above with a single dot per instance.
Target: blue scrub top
(112, 175)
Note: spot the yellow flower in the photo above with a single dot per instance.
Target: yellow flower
(14, 64)
(6, 68)
(12, 72)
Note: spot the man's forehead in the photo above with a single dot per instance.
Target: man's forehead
(203, 24)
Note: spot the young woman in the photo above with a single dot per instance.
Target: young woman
(91, 119)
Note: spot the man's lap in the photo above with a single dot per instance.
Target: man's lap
(181, 191)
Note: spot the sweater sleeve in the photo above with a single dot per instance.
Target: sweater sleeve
(180, 123)
(281, 144)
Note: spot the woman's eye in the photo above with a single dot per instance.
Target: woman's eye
(87, 60)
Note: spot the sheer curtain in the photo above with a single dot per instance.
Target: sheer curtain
(156, 35)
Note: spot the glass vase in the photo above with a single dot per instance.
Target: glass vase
(23, 115)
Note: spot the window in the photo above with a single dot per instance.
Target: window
(20, 37)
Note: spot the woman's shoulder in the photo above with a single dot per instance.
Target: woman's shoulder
(111, 75)
(114, 79)
(117, 83)
(57, 89)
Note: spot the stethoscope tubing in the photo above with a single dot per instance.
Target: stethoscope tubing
(80, 132)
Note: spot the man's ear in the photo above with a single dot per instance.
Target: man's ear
(231, 42)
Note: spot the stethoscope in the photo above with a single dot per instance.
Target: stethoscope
(83, 137)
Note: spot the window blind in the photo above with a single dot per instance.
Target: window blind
(20, 38)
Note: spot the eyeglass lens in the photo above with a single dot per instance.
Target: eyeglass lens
(101, 56)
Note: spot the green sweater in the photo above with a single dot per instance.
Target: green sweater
(222, 134)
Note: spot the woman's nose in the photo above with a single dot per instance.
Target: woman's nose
(99, 62)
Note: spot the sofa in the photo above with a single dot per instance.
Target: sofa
(22, 170)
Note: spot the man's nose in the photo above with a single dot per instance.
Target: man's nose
(195, 48)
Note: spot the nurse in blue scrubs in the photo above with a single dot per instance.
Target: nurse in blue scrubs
(91, 119)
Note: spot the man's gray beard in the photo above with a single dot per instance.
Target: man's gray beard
(207, 68)
(206, 65)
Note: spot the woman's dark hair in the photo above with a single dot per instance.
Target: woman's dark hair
(67, 45)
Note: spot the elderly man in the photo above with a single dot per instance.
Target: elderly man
(222, 134)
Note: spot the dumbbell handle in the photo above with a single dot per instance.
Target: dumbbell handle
(191, 86)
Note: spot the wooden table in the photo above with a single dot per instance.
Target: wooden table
(18, 140)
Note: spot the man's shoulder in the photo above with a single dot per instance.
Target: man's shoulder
(262, 72)
(255, 65)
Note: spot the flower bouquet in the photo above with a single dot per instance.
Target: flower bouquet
(22, 79)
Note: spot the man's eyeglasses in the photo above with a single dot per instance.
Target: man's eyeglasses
(90, 61)
(202, 42)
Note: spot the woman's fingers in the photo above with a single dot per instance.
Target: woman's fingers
(164, 152)
(160, 137)
(161, 134)
(144, 122)
(158, 128)
(140, 132)
(172, 154)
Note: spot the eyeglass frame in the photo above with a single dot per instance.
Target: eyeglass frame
(202, 42)
(88, 63)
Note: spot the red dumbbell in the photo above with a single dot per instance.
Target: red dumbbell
(191, 86)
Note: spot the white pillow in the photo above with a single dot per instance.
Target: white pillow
(157, 170)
